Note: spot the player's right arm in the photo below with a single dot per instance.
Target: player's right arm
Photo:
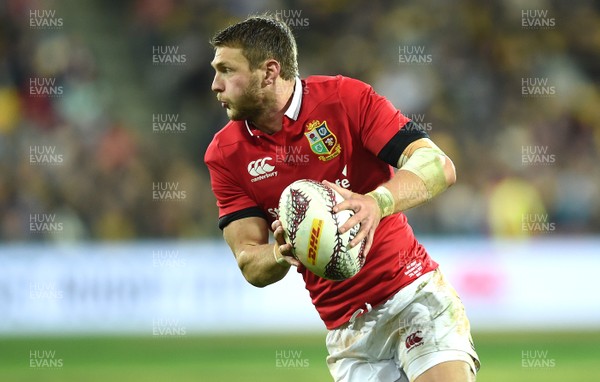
(245, 228)
(262, 263)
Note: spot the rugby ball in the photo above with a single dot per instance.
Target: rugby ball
(311, 227)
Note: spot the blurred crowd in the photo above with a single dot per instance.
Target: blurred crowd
(106, 106)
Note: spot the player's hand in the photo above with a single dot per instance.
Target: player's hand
(284, 248)
(366, 213)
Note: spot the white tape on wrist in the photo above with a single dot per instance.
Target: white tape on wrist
(384, 199)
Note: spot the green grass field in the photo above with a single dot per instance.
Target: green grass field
(506, 357)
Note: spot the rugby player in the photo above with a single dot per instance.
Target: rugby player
(398, 319)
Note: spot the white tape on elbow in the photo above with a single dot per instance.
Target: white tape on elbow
(428, 164)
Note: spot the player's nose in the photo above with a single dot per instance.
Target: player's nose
(217, 84)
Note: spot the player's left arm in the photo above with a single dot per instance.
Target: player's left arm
(424, 172)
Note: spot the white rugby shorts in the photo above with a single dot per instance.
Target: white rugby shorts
(422, 325)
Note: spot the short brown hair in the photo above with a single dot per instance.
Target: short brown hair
(260, 38)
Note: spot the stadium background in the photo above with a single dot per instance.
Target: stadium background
(509, 89)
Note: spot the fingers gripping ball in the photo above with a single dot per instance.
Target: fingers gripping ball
(312, 228)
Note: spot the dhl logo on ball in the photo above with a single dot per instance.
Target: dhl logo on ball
(313, 244)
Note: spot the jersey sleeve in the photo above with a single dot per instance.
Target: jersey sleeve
(232, 201)
(382, 128)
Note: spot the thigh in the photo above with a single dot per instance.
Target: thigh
(448, 371)
(359, 370)
(435, 329)
(364, 350)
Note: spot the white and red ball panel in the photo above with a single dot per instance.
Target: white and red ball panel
(311, 227)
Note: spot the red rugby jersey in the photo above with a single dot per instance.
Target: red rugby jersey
(334, 130)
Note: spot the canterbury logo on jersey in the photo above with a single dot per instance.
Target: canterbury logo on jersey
(413, 340)
(261, 169)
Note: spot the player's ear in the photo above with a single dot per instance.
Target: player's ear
(272, 69)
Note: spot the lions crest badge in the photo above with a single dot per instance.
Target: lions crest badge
(323, 141)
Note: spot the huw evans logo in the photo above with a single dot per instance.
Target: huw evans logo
(537, 87)
(537, 155)
(45, 291)
(167, 123)
(293, 18)
(537, 19)
(290, 359)
(44, 223)
(410, 190)
(44, 87)
(168, 259)
(167, 55)
(167, 327)
(291, 155)
(167, 191)
(537, 223)
(537, 359)
(44, 359)
(44, 155)
(420, 123)
(44, 19)
(414, 54)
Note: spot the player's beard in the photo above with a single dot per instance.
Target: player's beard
(252, 104)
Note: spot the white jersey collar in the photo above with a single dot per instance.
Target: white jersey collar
(294, 109)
